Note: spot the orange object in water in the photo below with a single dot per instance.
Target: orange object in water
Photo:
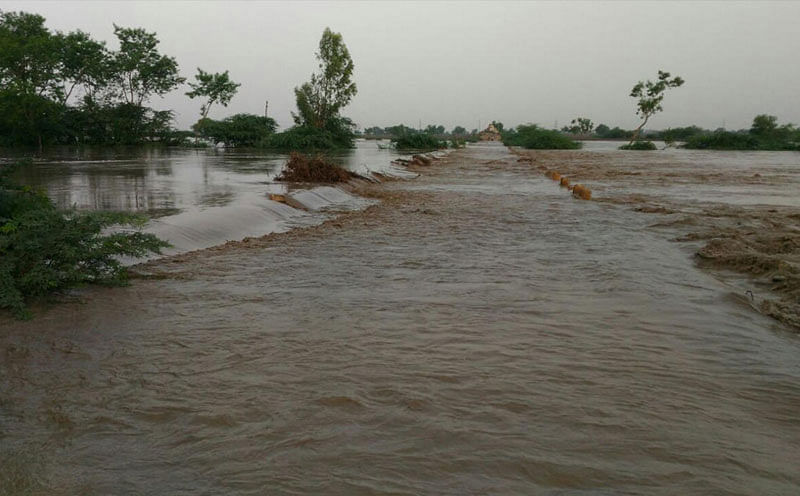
(565, 182)
(582, 192)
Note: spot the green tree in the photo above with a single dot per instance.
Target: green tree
(764, 125)
(84, 63)
(434, 129)
(214, 88)
(459, 131)
(581, 125)
(29, 77)
(140, 71)
(498, 126)
(320, 100)
(650, 95)
(601, 130)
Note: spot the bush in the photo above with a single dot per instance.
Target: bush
(236, 130)
(418, 141)
(307, 138)
(303, 168)
(639, 145)
(603, 131)
(43, 249)
(534, 137)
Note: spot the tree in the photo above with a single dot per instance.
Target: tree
(331, 89)
(601, 130)
(215, 88)
(434, 129)
(764, 125)
(650, 95)
(29, 62)
(581, 125)
(498, 126)
(84, 63)
(459, 131)
(29, 77)
(139, 69)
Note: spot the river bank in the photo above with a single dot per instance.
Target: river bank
(477, 331)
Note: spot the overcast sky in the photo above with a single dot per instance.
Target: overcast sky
(461, 63)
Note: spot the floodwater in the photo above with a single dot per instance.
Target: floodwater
(478, 332)
(197, 198)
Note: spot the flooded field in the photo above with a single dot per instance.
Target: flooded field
(197, 198)
(478, 331)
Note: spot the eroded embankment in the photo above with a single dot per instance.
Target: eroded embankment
(381, 202)
(705, 202)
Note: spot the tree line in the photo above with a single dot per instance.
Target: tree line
(68, 88)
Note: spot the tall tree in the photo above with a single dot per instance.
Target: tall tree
(29, 55)
(329, 90)
(84, 63)
(215, 88)
(140, 71)
(650, 95)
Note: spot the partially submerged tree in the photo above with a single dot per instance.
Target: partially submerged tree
(214, 88)
(331, 89)
(650, 95)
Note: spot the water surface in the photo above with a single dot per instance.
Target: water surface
(488, 334)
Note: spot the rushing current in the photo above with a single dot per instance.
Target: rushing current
(481, 332)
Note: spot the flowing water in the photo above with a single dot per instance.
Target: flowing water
(480, 332)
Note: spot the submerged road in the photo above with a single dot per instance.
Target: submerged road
(480, 332)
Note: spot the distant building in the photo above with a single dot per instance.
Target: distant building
(490, 134)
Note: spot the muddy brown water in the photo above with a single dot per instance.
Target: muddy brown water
(479, 332)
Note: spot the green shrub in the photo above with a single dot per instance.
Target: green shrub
(418, 141)
(533, 137)
(43, 249)
(236, 130)
(639, 145)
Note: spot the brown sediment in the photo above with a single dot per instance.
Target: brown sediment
(761, 242)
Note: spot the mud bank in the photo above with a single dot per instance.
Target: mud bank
(741, 209)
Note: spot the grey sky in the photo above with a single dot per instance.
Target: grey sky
(458, 63)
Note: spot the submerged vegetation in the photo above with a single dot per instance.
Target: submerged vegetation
(639, 145)
(418, 141)
(764, 134)
(534, 137)
(314, 169)
(43, 249)
(237, 130)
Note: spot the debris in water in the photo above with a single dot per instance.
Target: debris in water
(316, 169)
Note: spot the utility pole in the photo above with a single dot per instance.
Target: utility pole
(266, 107)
